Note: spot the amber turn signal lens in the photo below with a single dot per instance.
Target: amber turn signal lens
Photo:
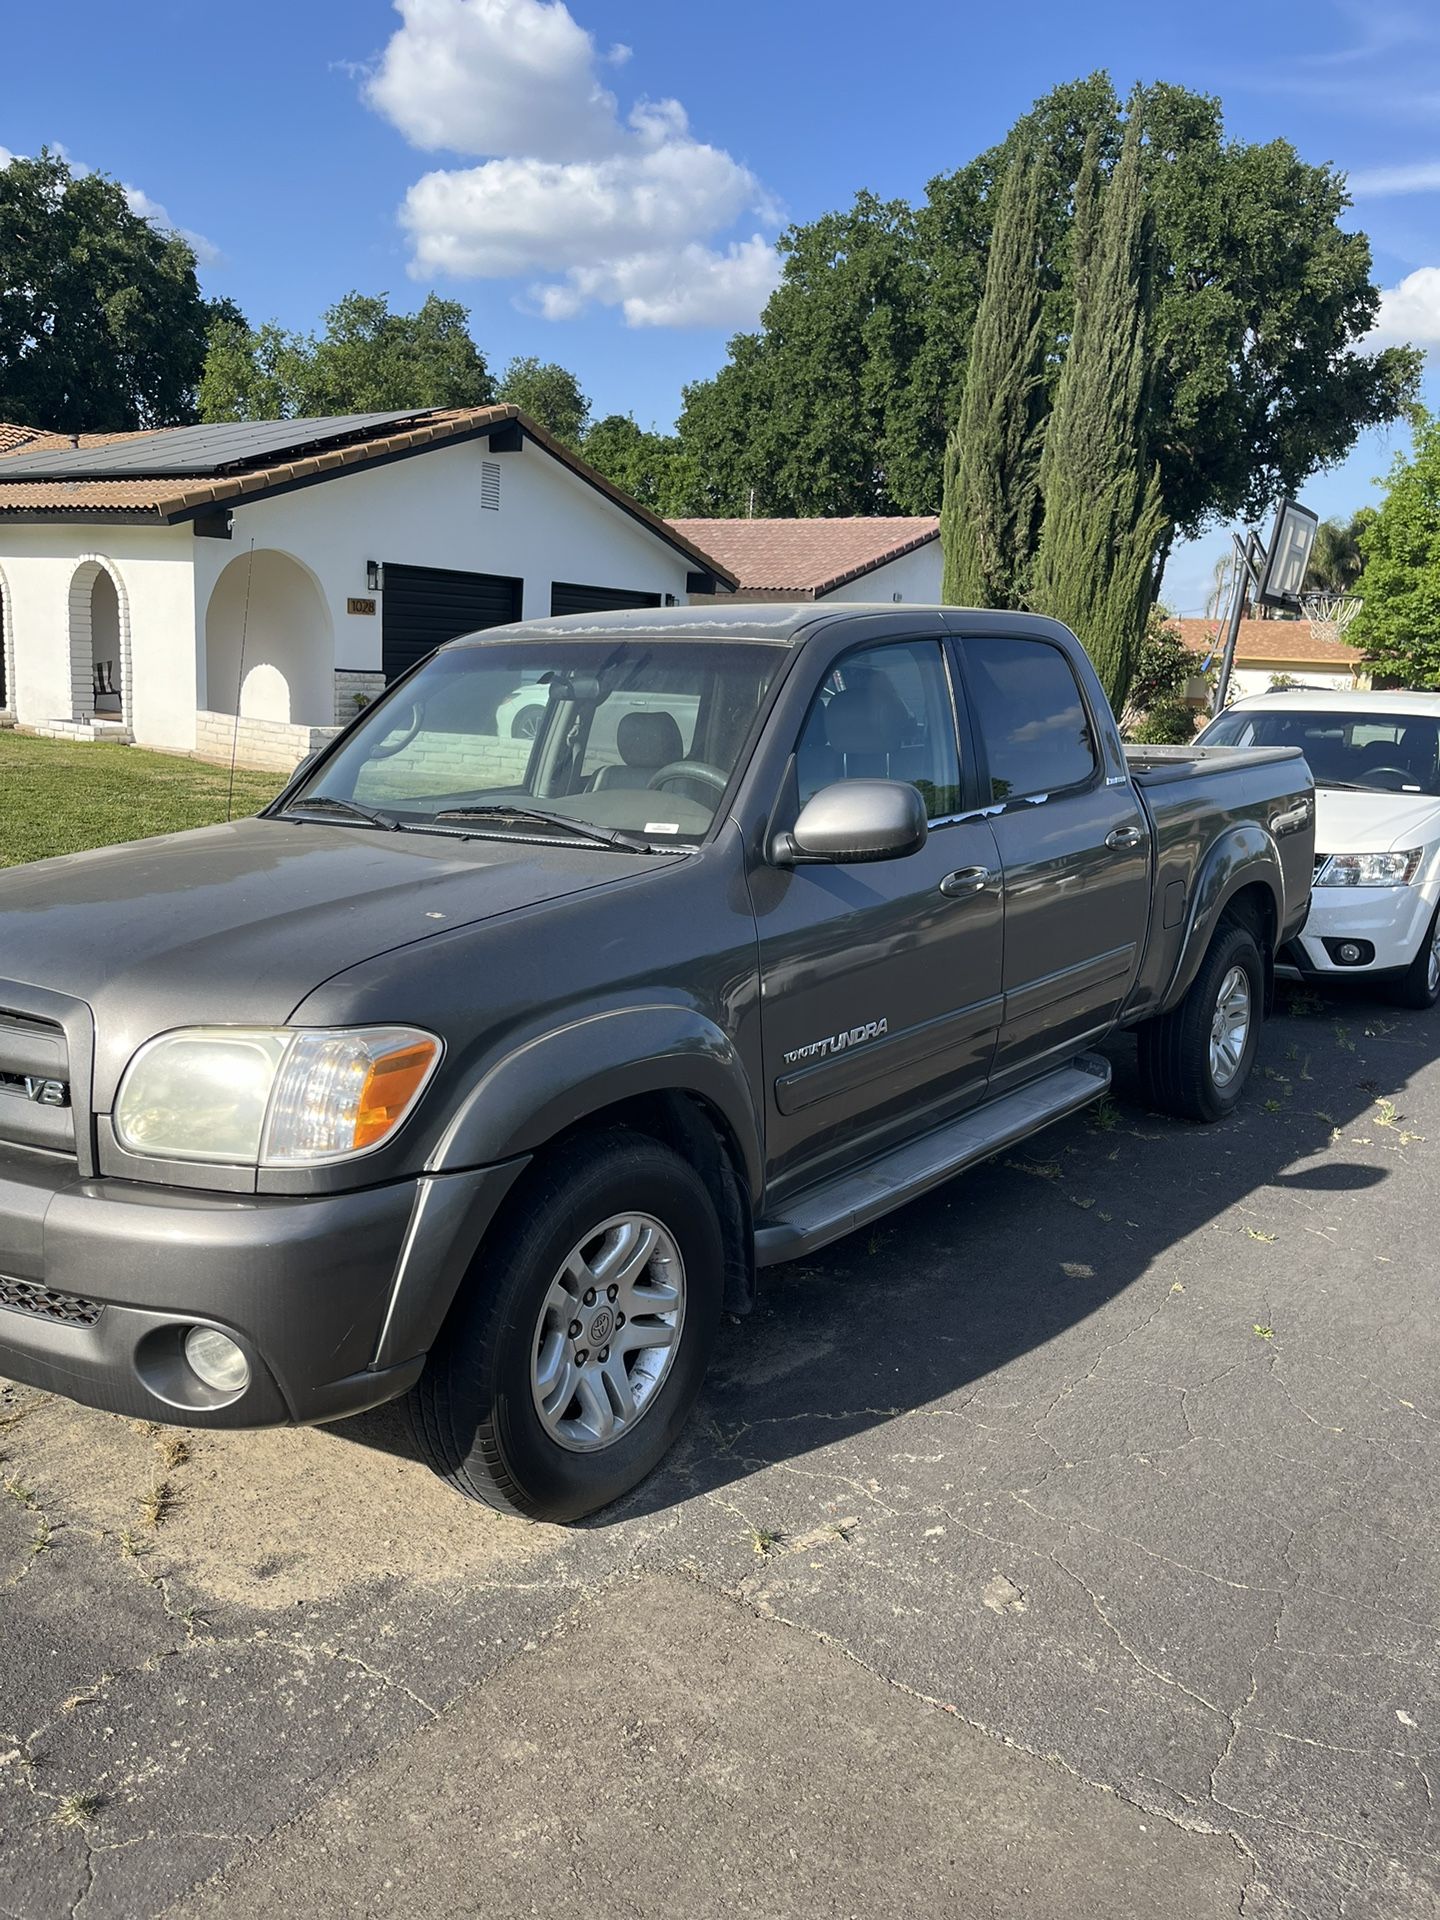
(390, 1086)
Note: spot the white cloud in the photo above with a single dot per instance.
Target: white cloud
(494, 77)
(625, 214)
(1410, 312)
(1375, 183)
(694, 287)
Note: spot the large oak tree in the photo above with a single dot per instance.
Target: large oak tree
(102, 322)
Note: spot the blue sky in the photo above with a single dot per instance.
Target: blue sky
(601, 185)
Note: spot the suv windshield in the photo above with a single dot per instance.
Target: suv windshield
(1378, 752)
(635, 738)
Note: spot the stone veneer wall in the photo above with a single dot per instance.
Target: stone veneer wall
(269, 746)
(352, 685)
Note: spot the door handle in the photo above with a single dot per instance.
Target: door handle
(1291, 819)
(965, 880)
(1124, 837)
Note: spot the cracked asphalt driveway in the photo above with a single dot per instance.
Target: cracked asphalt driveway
(1068, 1543)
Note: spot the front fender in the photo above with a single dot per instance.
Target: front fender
(1243, 855)
(562, 1077)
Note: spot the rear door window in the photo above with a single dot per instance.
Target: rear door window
(1031, 717)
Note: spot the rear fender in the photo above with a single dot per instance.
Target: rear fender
(1243, 855)
(562, 1077)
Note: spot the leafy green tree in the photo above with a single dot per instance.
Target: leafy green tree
(1398, 625)
(1157, 713)
(548, 393)
(1104, 516)
(842, 401)
(990, 513)
(367, 360)
(801, 419)
(649, 466)
(102, 323)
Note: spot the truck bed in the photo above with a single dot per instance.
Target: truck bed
(1190, 794)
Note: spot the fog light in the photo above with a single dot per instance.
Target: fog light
(215, 1359)
(1349, 952)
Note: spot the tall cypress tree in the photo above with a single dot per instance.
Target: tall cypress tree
(1103, 516)
(989, 511)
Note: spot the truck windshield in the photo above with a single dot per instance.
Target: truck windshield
(1376, 752)
(638, 738)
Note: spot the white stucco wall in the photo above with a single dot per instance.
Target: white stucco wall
(426, 512)
(152, 567)
(913, 578)
(1247, 680)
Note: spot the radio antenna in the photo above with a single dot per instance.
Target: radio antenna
(239, 685)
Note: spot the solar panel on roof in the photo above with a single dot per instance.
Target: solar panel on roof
(194, 450)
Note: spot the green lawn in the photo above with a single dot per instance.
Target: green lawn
(58, 798)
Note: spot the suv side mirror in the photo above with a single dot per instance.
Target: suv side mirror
(854, 821)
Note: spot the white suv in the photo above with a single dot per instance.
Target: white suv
(1376, 762)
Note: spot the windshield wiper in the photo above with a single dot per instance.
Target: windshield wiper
(1349, 786)
(327, 803)
(604, 836)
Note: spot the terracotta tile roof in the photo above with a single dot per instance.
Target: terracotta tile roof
(16, 439)
(164, 500)
(1263, 642)
(807, 557)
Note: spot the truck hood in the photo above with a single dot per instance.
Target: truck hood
(1373, 822)
(239, 923)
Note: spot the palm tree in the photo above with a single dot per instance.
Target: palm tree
(1335, 558)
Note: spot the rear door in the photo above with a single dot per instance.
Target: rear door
(423, 607)
(1074, 847)
(880, 983)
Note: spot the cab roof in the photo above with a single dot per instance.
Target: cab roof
(786, 623)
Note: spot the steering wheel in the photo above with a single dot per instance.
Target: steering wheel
(1402, 774)
(697, 770)
(407, 725)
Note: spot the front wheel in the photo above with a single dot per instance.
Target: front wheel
(571, 1361)
(1195, 1060)
(1419, 985)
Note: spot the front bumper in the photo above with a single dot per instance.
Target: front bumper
(1392, 920)
(333, 1298)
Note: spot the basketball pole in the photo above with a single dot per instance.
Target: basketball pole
(1249, 565)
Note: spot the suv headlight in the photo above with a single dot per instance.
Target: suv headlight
(1370, 869)
(272, 1096)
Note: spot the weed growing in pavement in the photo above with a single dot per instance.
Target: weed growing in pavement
(76, 1810)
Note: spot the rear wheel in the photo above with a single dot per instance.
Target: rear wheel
(1195, 1060)
(1419, 985)
(569, 1365)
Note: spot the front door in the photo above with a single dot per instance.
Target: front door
(1075, 849)
(880, 983)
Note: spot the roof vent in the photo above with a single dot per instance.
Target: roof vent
(490, 485)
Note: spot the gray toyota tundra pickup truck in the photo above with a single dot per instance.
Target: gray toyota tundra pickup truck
(486, 1066)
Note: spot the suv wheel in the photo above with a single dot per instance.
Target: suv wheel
(1419, 985)
(573, 1357)
(1195, 1060)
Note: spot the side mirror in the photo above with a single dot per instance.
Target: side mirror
(303, 767)
(854, 821)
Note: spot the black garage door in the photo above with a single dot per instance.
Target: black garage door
(566, 597)
(425, 606)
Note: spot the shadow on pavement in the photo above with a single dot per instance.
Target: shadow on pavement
(1005, 1259)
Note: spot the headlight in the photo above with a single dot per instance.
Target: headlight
(272, 1096)
(1370, 869)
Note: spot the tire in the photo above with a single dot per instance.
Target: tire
(1179, 1073)
(477, 1411)
(1419, 985)
(526, 723)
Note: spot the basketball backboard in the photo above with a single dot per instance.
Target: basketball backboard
(1287, 556)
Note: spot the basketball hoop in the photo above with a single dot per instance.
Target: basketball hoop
(1330, 614)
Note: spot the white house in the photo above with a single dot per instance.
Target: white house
(240, 586)
(853, 559)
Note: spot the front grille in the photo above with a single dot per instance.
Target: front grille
(47, 1303)
(35, 1082)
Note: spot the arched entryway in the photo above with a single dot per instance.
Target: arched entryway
(99, 627)
(269, 648)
